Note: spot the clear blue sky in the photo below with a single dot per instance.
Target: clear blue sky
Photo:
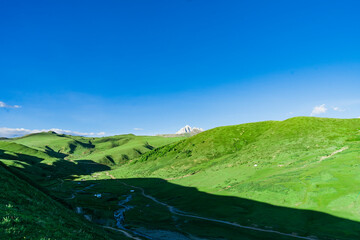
(112, 66)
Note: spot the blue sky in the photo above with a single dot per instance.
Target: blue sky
(113, 66)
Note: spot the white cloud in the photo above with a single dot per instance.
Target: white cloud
(138, 129)
(4, 105)
(318, 110)
(18, 132)
(338, 109)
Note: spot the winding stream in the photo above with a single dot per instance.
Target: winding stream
(120, 217)
(119, 214)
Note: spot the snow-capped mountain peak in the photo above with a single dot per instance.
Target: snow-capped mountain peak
(188, 129)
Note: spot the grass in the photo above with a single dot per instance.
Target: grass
(27, 213)
(279, 175)
(106, 150)
(272, 162)
(50, 162)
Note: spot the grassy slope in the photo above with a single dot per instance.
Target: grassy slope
(27, 213)
(220, 163)
(32, 162)
(41, 166)
(51, 162)
(273, 162)
(107, 150)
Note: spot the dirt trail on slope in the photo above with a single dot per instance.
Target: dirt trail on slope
(109, 175)
(124, 232)
(332, 154)
(325, 157)
(72, 197)
(175, 178)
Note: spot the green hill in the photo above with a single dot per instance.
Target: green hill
(27, 213)
(301, 163)
(51, 162)
(106, 150)
(297, 178)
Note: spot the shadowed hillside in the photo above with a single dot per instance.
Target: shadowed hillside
(27, 213)
(289, 179)
(303, 162)
(146, 216)
(264, 218)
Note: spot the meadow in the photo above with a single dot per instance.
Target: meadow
(292, 179)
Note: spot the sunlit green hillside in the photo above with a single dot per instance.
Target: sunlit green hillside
(292, 179)
(106, 150)
(302, 163)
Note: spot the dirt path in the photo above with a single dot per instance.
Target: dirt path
(175, 178)
(124, 232)
(325, 157)
(109, 175)
(72, 197)
(332, 154)
(185, 214)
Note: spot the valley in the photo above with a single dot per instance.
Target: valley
(292, 179)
